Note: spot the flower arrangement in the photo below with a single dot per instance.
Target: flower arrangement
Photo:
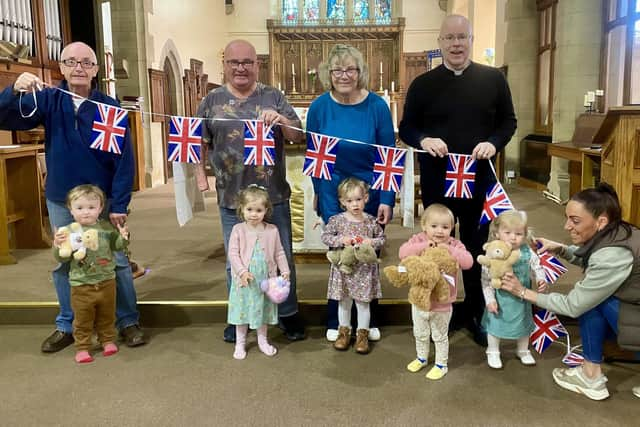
(313, 75)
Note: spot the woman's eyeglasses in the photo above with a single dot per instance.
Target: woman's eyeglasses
(350, 72)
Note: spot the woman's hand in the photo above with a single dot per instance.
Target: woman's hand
(492, 307)
(384, 214)
(245, 279)
(511, 284)
(548, 245)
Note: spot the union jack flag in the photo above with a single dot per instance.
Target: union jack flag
(495, 203)
(185, 135)
(547, 329)
(259, 144)
(388, 169)
(573, 359)
(321, 155)
(460, 176)
(553, 268)
(109, 128)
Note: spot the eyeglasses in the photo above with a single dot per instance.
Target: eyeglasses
(72, 63)
(350, 72)
(235, 64)
(449, 38)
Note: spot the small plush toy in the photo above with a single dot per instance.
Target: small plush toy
(276, 289)
(499, 259)
(425, 274)
(347, 257)
(78, 241)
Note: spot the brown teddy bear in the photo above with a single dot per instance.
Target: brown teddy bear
(78, 241)
(348, 256)
(499, 259)
(424, 274)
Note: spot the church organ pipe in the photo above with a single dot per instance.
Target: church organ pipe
(4, 19)
(56, 31)
(16, 22)
(29, 26)
(48, 12)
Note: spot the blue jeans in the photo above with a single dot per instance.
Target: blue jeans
(126, 309)
(281, 218)
(598, 325)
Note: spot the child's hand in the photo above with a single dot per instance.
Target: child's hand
(492, 307)
(245, 279)
(366, 242)
(59, 238)
(543, 286)
(124, 231)
(347, 241)
(285, 276)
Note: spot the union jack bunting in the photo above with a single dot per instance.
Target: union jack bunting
(259, 144)
(495, 203)
(185, 135)
(553, 268)
(320, 156)
(573, 359)
(547, 329)
(460, 176)
(109, 128)
(388, 169)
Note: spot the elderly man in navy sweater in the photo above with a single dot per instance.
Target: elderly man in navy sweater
(70, 162)
(466, 108)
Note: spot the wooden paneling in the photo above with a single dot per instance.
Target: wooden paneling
(415, 64)
(158, 83)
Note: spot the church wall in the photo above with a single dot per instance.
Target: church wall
(422, 25)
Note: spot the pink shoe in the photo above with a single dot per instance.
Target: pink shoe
(83, 357)
(109, 349)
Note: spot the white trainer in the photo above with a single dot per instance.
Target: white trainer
(374, 334)
(636, 391)
(493, 359)
(332, 335)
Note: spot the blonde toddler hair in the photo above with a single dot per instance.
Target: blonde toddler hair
(250, 194)
(85, 190)
(510, 219)
(436, 209)
(349, 185)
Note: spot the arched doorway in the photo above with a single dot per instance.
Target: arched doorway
(170, 108)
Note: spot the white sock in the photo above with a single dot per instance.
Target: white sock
(364, 315)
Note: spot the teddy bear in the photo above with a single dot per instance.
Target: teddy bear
(77, 241)
(425, 275)
(499, 259)
(347, 257)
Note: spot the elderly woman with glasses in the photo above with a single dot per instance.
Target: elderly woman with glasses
(348, 110)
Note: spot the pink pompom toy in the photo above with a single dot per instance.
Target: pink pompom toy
(276, 289)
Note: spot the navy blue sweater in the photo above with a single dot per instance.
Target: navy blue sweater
(70, 161)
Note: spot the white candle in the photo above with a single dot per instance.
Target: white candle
(599, 92)
(393, 86)
(293, 68)
(380, 67)
(591, 96)
(395, 115)
(279, 87)
(586, 101)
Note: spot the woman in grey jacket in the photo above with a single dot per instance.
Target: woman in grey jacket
(606, 301)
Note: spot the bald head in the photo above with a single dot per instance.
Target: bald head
(455, 21)
(79, 50)
(240, 45)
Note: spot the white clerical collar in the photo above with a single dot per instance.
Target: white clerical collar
(456, 72)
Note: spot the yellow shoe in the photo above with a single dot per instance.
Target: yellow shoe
(437, 373)
(416, 365)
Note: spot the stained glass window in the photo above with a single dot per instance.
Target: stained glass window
(311, 11)
(383, 11)
(360, 10)
(336, 10)
(290, 11)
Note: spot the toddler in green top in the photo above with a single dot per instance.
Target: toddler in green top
(91, 274)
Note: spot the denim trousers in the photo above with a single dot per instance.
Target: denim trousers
(126, 303)
(598, 325)
(281, 218)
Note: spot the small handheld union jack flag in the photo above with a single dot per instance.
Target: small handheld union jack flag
(460, 177)
(259, 144)
(547, 329)
(320, 156)
(388, 169)
(109, 128)
(553, 268)
(495, 203)
(573, 359)
(185, 135)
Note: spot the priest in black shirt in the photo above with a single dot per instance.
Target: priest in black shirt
(465, 108)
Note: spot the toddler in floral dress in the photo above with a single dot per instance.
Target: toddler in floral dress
(352, 227)
(255, 254)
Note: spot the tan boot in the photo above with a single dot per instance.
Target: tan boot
(362, 341)
(344, 338)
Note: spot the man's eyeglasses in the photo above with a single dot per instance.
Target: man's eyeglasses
(350, 72)
(236, 64)
(449, 38)
(72, 63)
